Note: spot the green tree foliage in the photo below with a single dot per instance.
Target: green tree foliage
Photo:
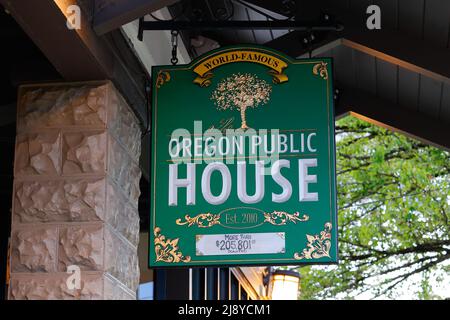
(393, 199)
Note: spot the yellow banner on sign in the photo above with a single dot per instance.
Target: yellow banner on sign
(204, 68)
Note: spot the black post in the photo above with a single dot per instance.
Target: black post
(212, 283)
(171, 284)
(224, 284)
(198, 283)
(160, 284)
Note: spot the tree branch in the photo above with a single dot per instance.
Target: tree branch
(409, 274)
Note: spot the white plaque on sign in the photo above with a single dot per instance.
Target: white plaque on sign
(240, 243)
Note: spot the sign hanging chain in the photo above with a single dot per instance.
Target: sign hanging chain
(310, 44)
(174, 59)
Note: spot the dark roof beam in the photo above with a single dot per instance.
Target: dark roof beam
(380, 112)
(81, 55)
(388, 45)
(112, 14)
(392, 46)
(409, 53)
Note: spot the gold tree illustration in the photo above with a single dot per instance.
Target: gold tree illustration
(241, 92)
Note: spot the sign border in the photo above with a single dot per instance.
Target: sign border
(331, 163)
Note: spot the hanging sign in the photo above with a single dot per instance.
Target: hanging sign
(243, 161)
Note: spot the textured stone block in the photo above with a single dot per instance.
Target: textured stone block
(134, 178)
(76, 192)
(113, 290)
(81, 246)
(54, 287)
(118, 161)
(121, 260)
(128, 224)
(38, 201)
(59, 201)
(86, 199)
(38, 154)
(124, 171)
(89, 106)
(84, 152)
(63, 106)
(121, 215)
(34, 249)
(115, 204)
(124, 125)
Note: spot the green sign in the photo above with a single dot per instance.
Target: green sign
(243, 161)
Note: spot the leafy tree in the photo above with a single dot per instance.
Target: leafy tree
(393, 199)
(241, 91)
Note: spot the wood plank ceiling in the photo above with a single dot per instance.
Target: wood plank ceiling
(425, 20)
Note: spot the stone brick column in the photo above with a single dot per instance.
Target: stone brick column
(76, 189)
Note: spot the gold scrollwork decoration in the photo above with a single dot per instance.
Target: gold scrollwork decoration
(321, 70)
(163, 77)
(204, 80)
(278, 77)
(207, 220)
(281, 218)
(318, 245)
(202, 220)
(167, 249)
